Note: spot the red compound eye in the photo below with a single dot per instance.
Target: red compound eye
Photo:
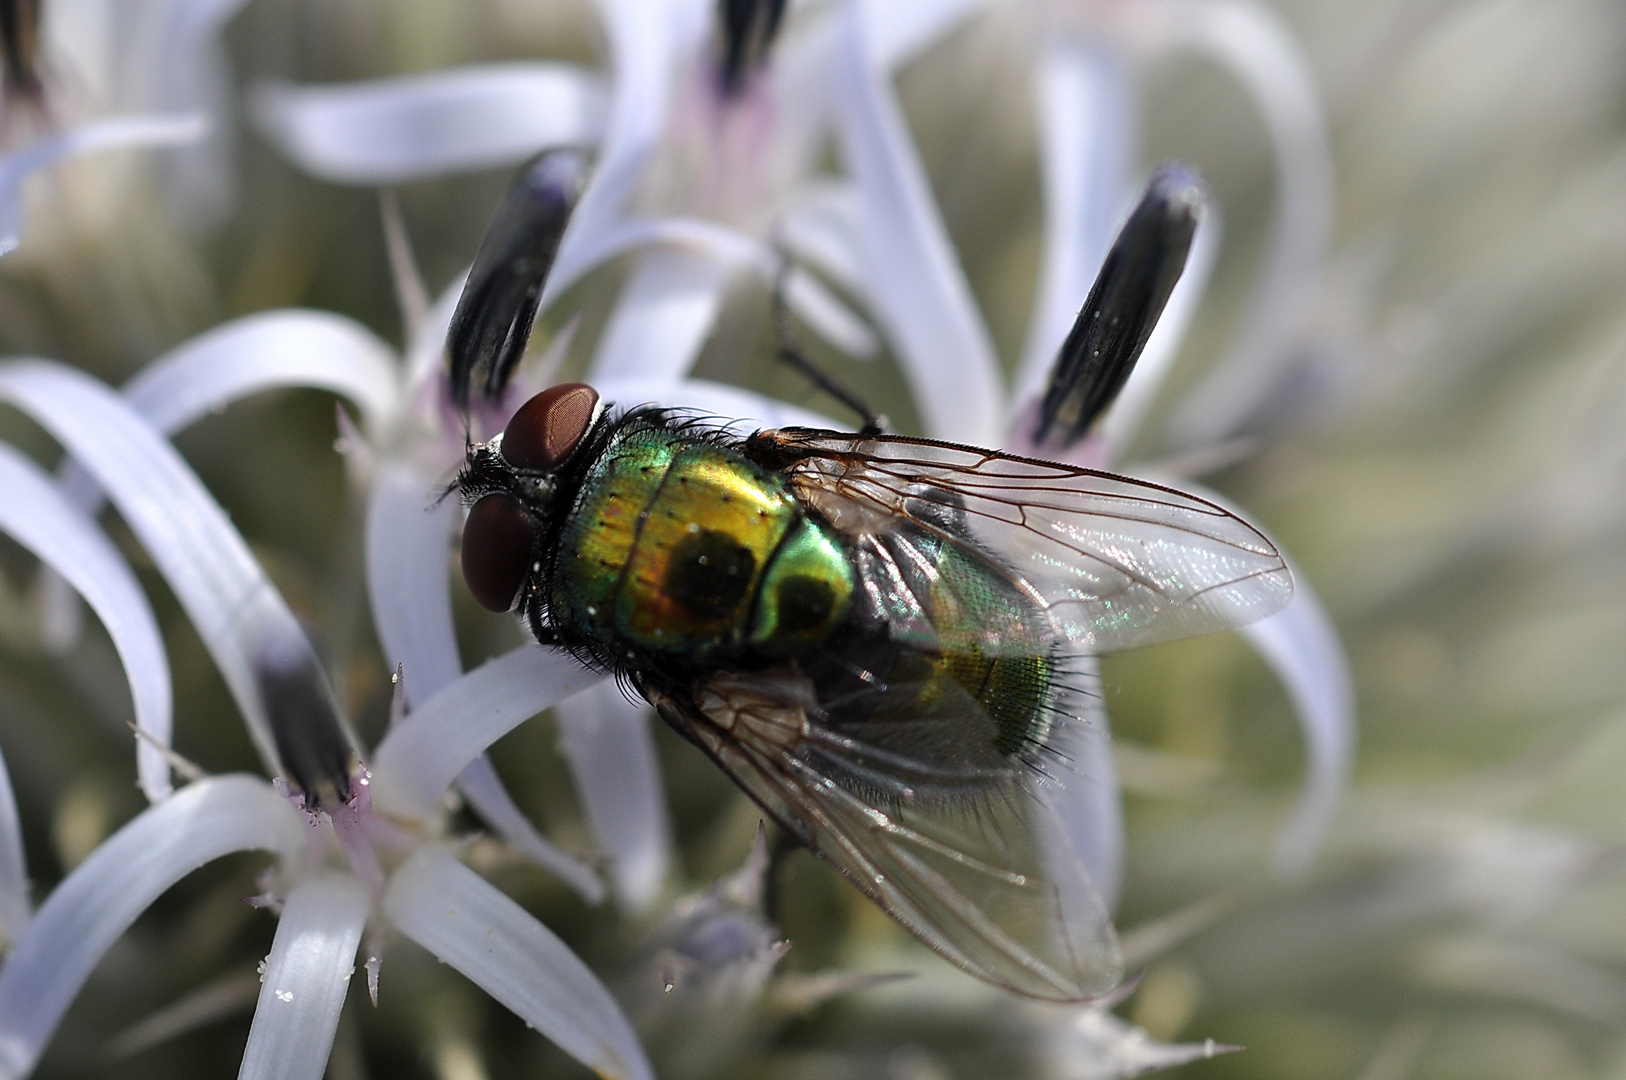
(548, 427)
(496, 550)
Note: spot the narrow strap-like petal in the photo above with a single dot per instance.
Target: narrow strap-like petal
(1086, 106)
(267, 351)
(422, 755)
(1251, 41)
(408, 538)
(913, 279)
(14, 905)
(302, 987)
(112, 134)
(898, 32)
(484, 790)
(1089, 802)
(388, 131)
(1301, 646)
(611, 751)
(262, 653)
(745, 408)
(457, 915)
(663, 316)
(88, 912)
(35, 514)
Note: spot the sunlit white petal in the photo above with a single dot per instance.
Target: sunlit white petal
(1086, 107)
(1089, 803)
(611, 751)
(897, 32)
(118, 132)
(241, 618)
(408, 533)
(746, 409)
(421, 756)
(914, 282)
(664, 315)
(1250, 40)
(88, 912)
(387, 131)
(483, 789)
(303, 986)
(463, 920)
(34, 513)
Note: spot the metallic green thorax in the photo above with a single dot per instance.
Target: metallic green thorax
(684, 546)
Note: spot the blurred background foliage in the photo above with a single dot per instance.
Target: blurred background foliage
(1457, 496)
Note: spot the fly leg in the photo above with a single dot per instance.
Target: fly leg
(873, 422)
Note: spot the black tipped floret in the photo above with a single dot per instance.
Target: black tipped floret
(492, 323)
(747, 28)
(314, 746)
(1123, 306)
(19, 45)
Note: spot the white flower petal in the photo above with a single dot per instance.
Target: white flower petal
(1250, 39)
(1087, 108)
(484, 790)
(14, 906)
(897, 32)
(422, 755)
(1301, 646)
(611, 751)
(912, 277)
(268, 351)
(387, 131)
(727, 403)
(664, 315)
(241, 618)
(455, 914)
(303, 985)
(1089, 804)
(34, 513)
(1123, 419)
(88, 912)
(408, 544)
(120, 131)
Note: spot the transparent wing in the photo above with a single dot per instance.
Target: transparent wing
(1024, 552)
(948, 836)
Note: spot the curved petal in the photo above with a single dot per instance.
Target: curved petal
(121, 131)
(1087, 114)
(422, 755)
(1301, 646)
(664, 315)
(728, 403)
(457, 915)
(611, 751)
(484, 790)
(262, 653)
(34, 513)
(88, 912)
(912, 277)
(1089, 805)
(14, 906)
(408, 534)
(1250, 39)
(272, 350)
(386, 131)
(303, 983)
(898, 32)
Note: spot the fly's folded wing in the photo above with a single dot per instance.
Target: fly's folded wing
(962, 853)
(1035, 551)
